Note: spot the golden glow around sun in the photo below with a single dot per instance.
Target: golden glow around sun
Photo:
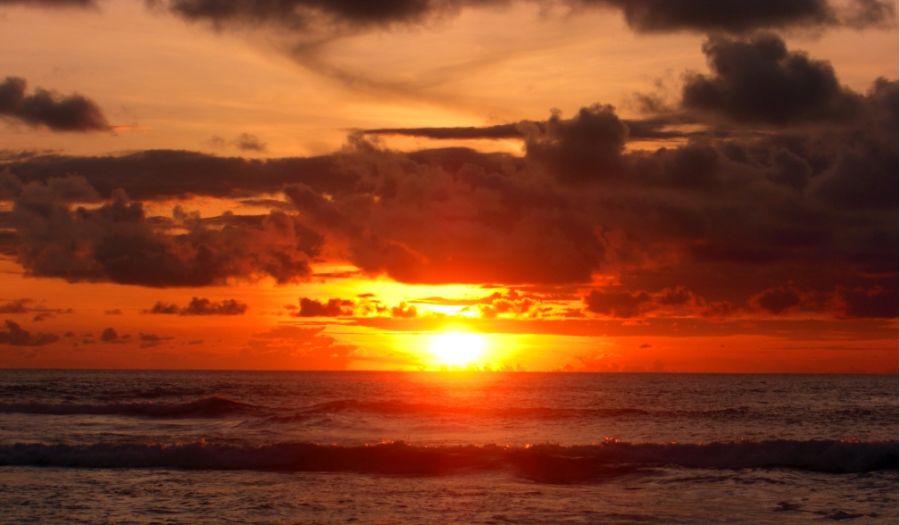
(457, 349)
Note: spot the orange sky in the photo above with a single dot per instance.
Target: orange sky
(211, 199)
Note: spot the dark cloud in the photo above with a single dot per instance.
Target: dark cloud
(736, 16)
(151, 340)
(618, 303)
(15, 335)
(162, 174)
(17, 306)
(110, 335)
(760, 209)
(330, 308)
(250, 142)
(874, 302)
(777, 300)
(201, 306)
(302, 14)
(586, 147)
(760, 81)
(501, 131)
(117, 242)
(658, 128)
(492, 220)
(703, 227)
(45, 108)
(739, 16)
(28, 306)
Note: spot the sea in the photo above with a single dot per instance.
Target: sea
(188, 447)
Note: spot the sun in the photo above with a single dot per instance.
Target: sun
(457, 349)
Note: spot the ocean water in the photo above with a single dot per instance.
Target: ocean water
(359, 447)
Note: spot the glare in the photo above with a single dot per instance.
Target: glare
(457, 349)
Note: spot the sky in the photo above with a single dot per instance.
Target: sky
(538, 185)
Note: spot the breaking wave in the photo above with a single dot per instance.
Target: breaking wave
(542, 463)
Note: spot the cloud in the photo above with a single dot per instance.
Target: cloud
(17, 306)
(109, 335)
(15, 335)
(586, 147)
(734, 16)
(330, 308)
(117, 242)
(45, 108)
(249, 142)
(874, 302)
(759, 81)
(638, 129)
(151, 340)
(777, 300)
(501, 131)
(303, 14)
(739, 16)
(162, 174)
(28, 306)
(703, 227)
(404, 311)
(618, 303)
(201, 306)
(492, 220)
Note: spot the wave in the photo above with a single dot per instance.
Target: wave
(208, 407)
(407, 408)
(215, 406)
(395, 407)
(542, 463)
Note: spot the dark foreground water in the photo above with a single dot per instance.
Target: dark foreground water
(243, 447)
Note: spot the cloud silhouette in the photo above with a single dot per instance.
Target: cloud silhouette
(45, 108)
(15, 335)
(201, 306)
(759, 80)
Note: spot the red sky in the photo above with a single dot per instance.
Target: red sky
(569, 184)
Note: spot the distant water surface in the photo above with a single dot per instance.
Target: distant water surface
(305, 447)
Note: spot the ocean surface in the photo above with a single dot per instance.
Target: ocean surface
(467, 448)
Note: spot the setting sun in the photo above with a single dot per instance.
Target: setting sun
(457, 349)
